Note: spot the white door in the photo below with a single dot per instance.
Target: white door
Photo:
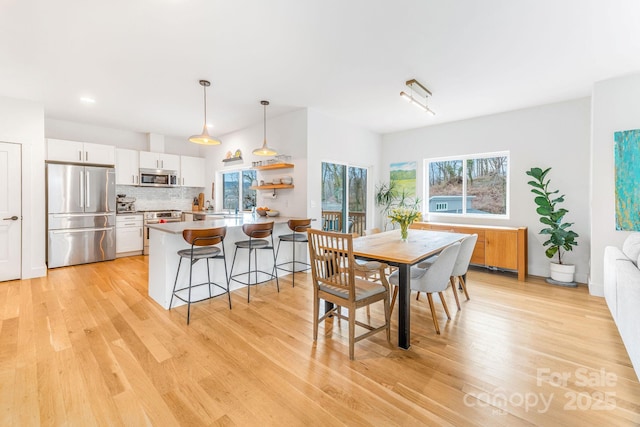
(10, 211)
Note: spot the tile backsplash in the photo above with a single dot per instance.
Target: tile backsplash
(151, 198)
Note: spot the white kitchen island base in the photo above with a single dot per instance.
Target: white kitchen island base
(165, 240)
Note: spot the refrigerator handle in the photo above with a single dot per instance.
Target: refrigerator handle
(81, 198)
(88, 189)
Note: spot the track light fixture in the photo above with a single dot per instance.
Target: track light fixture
(416, 94)
(204, 137)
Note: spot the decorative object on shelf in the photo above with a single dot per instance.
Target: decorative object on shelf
(265, 150)
(238, 154)
(287, 180)
(561, 238)
(404, 216)
(204, 137)
(228, 155)
(420, 93)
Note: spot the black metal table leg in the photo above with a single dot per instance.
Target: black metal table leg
(404, 309)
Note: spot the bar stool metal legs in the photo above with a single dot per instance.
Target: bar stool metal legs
(203, 246)
(299, 235)
(258, 234)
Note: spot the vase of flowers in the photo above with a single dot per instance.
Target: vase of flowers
(404, 216)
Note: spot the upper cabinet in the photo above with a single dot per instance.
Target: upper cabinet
(192, 170)
(151, 160)
(80, 152)
(127, 167)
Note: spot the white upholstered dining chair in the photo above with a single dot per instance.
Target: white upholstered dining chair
(434, 279)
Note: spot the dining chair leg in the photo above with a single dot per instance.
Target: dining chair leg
(444, 304)
(455, 293)
(464, 286)
(418, 296)
(316, 313)
(393, 299)
(352, 332)
(387, 316)
(433, 313)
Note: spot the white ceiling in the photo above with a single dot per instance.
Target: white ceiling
(141, 59)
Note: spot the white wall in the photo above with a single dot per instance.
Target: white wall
(616, 107)
(332, 140)
(22, 122)
(555, 135)
(287, 134)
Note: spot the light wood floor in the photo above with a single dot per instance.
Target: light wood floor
(86, 346)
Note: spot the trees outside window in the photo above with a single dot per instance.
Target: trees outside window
(473, 185)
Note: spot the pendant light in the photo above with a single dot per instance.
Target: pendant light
(204, 137)
(264, 150)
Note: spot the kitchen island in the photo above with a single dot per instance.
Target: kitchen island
(166, 239)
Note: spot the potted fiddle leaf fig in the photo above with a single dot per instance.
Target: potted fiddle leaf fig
(560, 238)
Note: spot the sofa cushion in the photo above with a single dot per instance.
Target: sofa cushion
(631, 247)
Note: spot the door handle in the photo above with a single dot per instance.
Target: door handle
(11, 218)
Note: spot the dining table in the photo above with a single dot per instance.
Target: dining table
(390, 248)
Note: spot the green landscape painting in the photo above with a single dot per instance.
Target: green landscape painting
(403, 178)
(627, 176)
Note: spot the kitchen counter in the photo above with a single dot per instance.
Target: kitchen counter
(166, 239)
(234, 222)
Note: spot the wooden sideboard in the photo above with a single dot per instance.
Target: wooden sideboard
(500, 247)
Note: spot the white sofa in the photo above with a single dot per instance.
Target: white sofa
(622, 293)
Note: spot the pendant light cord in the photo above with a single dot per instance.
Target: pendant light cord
(205, 104)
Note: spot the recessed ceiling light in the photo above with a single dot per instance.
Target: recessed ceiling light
(87, 100)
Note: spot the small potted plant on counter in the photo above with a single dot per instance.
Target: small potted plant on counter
(560, 237)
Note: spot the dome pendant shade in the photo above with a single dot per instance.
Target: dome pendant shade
(265, 150)
(204, 138)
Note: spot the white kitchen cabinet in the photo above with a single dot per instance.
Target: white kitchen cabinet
(127, 167)
(151, 160)
(80, 152)
(192, 170)
(129, 235)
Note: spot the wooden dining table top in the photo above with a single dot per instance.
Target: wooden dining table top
(389, 247)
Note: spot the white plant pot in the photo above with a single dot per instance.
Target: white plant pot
(562, 272)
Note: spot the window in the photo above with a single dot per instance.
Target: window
(233, 192)
(344, 186)
(473, 185)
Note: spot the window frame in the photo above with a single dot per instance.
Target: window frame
(464, 159)
(240, 173)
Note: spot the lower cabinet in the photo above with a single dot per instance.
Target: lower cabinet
(129, 235)
(500, 247)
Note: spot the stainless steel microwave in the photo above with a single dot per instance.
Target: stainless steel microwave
(158, 178)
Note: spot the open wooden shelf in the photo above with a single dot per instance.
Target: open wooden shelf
(273, 166)
(271, 186)
(232, 159)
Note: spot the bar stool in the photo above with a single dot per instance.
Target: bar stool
(203, 246)
(299, 235)
(258, 234)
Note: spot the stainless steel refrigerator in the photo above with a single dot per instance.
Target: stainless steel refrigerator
(81, 214)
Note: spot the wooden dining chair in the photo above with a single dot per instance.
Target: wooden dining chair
(333, 272)
(431, 280)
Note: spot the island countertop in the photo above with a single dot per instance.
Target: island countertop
(236, 222)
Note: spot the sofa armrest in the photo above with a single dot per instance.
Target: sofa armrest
(611, 255)
(628, 315)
